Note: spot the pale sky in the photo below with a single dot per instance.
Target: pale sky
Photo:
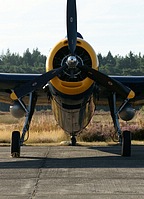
(108, 25)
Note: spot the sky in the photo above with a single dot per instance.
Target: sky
(108, 25)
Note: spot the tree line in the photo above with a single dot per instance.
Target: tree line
(28, 63)
(130, 64)
(34, 62)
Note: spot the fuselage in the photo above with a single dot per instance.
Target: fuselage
(72, 96)
(72, 112)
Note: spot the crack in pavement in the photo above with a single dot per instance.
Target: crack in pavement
(43, 162)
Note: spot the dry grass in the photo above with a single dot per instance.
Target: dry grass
(101, 127)
(45, 130)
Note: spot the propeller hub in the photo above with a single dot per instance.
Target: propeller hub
(72, 62)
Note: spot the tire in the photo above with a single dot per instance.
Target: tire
(15, 144)
(126, 144)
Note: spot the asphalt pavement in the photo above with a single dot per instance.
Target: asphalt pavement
(66, 172)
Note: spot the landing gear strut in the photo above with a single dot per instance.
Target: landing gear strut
(125, 137)
(16, 140)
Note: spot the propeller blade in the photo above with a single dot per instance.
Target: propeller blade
(35, 84)
(71, 25)
(108, 82)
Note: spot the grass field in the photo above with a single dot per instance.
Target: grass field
(44, 129)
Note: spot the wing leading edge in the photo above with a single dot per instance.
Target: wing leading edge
(136, 83)
(9, 81)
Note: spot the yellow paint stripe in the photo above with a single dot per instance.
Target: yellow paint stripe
(131, 95)
(13, 96)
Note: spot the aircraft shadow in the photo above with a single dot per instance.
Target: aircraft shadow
(105, 161)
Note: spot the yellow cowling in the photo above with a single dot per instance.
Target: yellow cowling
(71, 88)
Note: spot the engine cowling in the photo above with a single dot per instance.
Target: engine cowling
(127, 113)
(72, 80)
(17, 110)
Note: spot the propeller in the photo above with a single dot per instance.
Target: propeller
(43, 79)
(71, 25)
(36, 83)
(93, 74)
(108, 82)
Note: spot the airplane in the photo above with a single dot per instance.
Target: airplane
(75, 87)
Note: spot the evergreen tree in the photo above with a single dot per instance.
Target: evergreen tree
(27, 58)
(110, 60)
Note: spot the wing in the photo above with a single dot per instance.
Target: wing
(136, 83)
(9, 81)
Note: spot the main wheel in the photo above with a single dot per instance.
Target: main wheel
(126, 143)
(15, 144)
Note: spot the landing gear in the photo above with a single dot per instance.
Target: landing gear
(30, 111)
(125, 137)
(73, 141)
(18, 141)
(15, 144)
(126, 143)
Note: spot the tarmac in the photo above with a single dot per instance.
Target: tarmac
(66, 172)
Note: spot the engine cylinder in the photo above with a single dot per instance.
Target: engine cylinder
(17, 110)
(127, 113)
